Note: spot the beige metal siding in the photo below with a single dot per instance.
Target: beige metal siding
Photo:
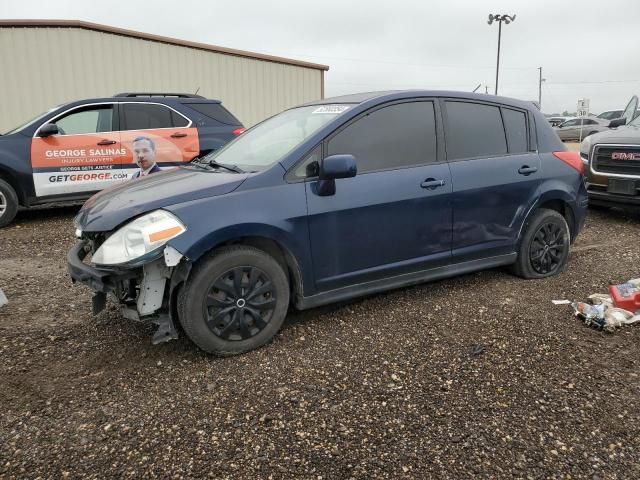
(42, 67)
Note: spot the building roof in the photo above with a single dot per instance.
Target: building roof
(156, 38)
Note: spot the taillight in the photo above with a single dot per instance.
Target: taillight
(572, 159)
(238, 131)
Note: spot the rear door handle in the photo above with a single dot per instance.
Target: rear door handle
(106, 142)
(432, 183)
(178, 135)
(527, 170)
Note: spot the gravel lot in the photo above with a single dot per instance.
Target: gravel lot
(474, 376)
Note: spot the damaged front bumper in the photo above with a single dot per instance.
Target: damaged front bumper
(144, 292)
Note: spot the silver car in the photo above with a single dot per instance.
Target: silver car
(555, 121)
(579, 128)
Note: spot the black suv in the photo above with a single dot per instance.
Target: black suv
(79, 148)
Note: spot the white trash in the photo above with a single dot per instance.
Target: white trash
(3, 298)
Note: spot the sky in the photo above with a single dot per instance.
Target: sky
(586, 48)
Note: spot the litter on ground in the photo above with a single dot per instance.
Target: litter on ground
(610, 312)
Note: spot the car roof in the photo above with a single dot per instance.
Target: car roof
(389, 95)
(135, 99)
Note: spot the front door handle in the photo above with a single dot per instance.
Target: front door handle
(106, 142)
(178, 135)
(527, 170)
(432, 183)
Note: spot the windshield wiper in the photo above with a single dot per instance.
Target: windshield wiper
(232, 168)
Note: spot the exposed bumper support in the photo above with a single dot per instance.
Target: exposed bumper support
(152, 281)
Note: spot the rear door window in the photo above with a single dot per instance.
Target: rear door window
(397, 136)
(474, 130)
(143, 116)
(515, 123)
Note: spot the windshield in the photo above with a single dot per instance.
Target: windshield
(274, 138)
(32, 121)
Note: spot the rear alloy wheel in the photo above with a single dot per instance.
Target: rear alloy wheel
(234, 301)
(544, 247)
(8, 203)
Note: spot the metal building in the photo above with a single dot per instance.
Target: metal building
(44, 63)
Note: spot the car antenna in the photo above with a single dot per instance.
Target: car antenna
(475, 89)
(197, 90)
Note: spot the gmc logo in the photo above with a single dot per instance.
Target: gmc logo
(625, 156)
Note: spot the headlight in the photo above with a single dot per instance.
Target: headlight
(138, 238)
(585, 147)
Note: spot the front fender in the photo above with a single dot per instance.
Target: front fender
(15, 165)
(196, 248)
(277, 213)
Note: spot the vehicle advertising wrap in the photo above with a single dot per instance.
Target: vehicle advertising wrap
(67, 164)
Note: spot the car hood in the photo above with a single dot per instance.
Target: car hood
(627, 134)
(111, 207)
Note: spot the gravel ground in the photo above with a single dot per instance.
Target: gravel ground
(474, 376)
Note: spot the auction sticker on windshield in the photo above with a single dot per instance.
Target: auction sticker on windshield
(331, 109)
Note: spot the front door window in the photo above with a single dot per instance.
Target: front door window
(84, 156)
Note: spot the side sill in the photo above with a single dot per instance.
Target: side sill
(367, 288)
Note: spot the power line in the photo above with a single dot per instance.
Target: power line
(392, 62)
(387, 86)
(594, 83)
(548, 94)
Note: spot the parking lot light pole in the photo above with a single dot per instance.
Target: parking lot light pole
(500, 18)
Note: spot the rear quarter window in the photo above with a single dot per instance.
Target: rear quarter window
(515, 123)
(215, 111)
(474, 130)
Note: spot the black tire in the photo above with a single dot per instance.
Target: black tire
(544, 246)
(8, 203)
(218, 322)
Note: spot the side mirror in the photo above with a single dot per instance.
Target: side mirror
(333, 167)
(48, 130)
(337, 166)
(616, 122)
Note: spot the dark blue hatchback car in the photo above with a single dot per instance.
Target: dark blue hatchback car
(328, 201)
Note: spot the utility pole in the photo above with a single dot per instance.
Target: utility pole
(540, 89)
(500, 18)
